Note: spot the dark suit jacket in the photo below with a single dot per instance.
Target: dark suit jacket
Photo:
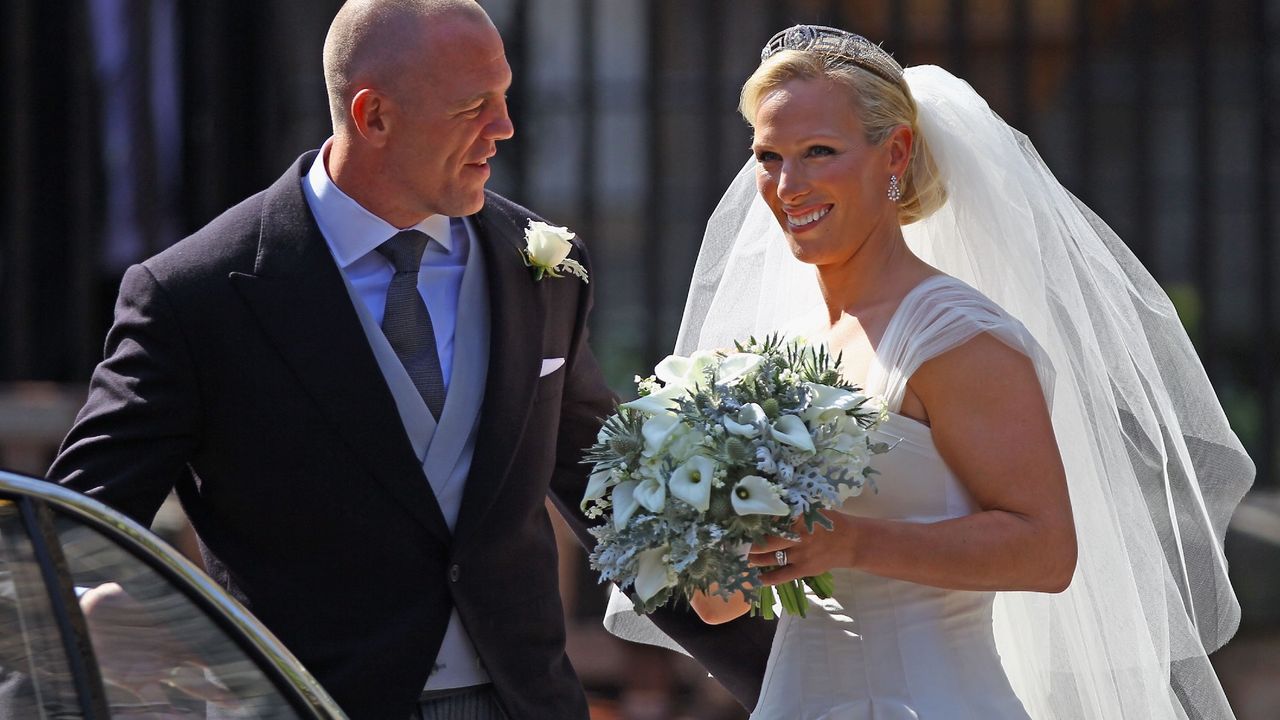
(237, 371)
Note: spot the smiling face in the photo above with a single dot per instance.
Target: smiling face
(824, 182)
(450, 117)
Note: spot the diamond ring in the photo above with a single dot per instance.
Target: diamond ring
(780, 556)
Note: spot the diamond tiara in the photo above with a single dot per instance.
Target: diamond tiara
(835, 43)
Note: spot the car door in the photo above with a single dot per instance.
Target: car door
(100, 619)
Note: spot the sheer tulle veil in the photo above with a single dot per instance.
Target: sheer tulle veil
(1154, 469)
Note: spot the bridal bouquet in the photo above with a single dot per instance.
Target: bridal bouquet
(719, 451)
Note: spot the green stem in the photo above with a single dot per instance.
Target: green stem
(793, 599)
(764, 601)
(822, 585)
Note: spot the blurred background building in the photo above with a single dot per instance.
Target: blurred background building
(129, 123)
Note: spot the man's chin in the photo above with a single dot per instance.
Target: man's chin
(473, 207)
(463, 205)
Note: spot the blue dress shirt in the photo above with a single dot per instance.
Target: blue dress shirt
(354, 234)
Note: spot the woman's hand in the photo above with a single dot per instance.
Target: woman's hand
(715, 610)
(814, 554)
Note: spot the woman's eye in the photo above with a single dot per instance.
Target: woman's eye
(765, 156)
(821, 151)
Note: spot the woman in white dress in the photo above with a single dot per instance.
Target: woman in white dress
(1045, 538)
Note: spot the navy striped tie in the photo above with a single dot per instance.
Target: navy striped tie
(406, 322)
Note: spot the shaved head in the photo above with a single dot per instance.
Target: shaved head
(374, 42)
(418, 94)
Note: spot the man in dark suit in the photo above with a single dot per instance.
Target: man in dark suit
(362, 395)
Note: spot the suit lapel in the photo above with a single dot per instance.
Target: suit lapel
(298, 296)
(516, 316)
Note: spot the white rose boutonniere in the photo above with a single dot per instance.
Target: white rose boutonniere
(547, 251)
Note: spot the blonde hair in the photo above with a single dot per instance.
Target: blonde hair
(881, 105)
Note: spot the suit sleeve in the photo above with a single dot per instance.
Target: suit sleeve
(586, 401)
(736, 652)
(138, 429)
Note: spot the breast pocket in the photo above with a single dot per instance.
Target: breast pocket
(550, 386)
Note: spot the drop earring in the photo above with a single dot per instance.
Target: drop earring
(895, 189)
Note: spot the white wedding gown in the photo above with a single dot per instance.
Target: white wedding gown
(885, 649)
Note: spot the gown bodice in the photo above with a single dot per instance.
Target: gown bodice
(887, 649)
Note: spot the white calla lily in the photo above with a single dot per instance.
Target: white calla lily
(651, 493)
(674, 370)
(624, 503)
(850, 427)
(658, 402)
(753, 495)
(598, 483)
(684, 372)
(828, 403)
(683, 442)
(699, 362)
(746, 422)
(691, 482)
(654, 574)
(854, 447)
(703, 359)
(737, 366)
(656, 430)
(791, 430)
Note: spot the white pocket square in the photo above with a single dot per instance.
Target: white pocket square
(550, 365)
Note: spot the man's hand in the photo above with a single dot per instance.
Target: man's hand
(137, 654)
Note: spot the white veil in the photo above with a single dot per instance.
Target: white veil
(1153, 467)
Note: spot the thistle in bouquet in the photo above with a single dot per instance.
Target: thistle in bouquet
(719, 451)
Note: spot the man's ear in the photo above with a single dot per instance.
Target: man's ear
(370, 114)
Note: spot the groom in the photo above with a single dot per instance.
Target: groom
(362, 395)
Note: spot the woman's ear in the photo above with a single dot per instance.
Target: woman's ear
(899, 145)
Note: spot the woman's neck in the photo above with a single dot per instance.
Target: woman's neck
(883, 270)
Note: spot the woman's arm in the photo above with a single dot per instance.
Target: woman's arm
(992, 427)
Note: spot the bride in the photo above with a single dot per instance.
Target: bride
(1045, 539)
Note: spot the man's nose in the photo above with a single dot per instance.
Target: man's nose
(500, 127)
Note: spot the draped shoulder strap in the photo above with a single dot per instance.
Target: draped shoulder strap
(939, 314)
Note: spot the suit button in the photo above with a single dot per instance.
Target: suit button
(455, 572)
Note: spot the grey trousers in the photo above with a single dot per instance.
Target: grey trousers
(478, 703)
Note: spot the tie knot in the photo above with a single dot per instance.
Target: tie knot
(405, 249)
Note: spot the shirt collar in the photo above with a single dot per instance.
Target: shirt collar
(352, 231)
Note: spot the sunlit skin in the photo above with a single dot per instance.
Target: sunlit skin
(422, 137)
(812, 157)
(982, 399)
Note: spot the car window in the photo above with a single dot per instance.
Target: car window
(35, 679)
(159, 654)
